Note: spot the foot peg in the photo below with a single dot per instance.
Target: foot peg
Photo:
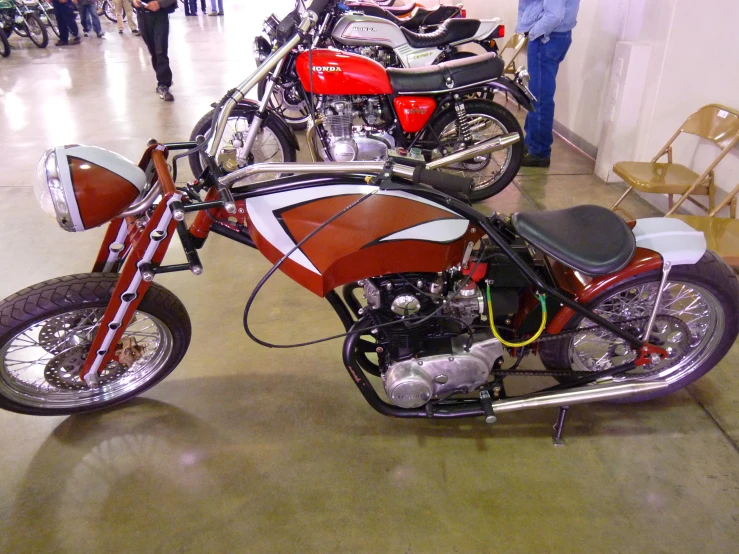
(487, 407)
(559, 427)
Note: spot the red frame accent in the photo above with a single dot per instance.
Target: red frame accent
(586, 289)
(139, 242)
(353, 74)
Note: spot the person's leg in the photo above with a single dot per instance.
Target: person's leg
(202, 5)
(129, 14)
(220, 7)
(145, 28)
(212, 6)
(161, 47)
(544, 59)
(61, 20)
(71, 23)
(84, 20)
(118, 4)
(95, 20)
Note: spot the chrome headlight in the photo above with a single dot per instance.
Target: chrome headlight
(261, 50)
(50, 192)
(85, 186)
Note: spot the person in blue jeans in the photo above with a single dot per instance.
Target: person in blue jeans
(549, 25)
(67, 25)
(213, 7)
(89, 17)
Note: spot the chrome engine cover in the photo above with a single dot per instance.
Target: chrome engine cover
(412, 383)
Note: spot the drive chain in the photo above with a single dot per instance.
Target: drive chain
(567, 372)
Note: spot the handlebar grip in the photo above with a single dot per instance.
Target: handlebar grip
(453, 185)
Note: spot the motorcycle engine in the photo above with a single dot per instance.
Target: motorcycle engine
(432, 359)
(349, 142)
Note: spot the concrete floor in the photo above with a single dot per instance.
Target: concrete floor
(245, 449)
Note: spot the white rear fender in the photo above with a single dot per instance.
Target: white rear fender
(487, 26)
(674, 240)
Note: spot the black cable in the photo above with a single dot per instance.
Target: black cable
(276, 266)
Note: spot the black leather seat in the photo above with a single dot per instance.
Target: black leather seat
(449, 32)
(590, 239)
(448, 75)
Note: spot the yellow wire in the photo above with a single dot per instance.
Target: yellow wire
(542, 300)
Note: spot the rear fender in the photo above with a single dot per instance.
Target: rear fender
(272, 117)
(504, 84)
(658, 240)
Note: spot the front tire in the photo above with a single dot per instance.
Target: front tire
(289, 103)
(494, 172)
(36, 31)
(272, 144)
(53, 24)
(46, 331)
(698, 320)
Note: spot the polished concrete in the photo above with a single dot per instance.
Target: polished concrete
(245, 449)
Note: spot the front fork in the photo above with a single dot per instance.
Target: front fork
(139, 248)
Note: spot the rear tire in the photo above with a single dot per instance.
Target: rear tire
(712, 274)
(486, 186)
(86, 293)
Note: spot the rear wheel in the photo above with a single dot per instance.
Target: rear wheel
(46, 332)
(490, 173)
(36, 30)
(697, 323)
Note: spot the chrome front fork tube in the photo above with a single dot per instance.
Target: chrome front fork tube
(259, 118)
(662, 284)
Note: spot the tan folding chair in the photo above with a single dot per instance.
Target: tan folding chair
(716, 123)
(516, 43)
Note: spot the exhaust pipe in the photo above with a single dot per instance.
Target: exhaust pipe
(580, 395)
(486, 147)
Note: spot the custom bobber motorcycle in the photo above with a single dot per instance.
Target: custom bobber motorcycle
(366, 111)
(435, 297)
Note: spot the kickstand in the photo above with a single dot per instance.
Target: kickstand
(560, 426)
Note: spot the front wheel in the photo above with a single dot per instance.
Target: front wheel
(53, 24)
(485, 119)
(36, 30)
(697, 323)
(271, 145)
(109, 10)
(46, 332)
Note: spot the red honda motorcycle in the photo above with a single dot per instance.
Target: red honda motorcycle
(435, 296)
(367, 112)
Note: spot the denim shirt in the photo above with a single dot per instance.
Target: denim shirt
(539, 18)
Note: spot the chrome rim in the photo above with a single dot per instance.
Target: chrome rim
(34, 31)
(689, 325)
(484, 170)
(231, 156)
(39, 367)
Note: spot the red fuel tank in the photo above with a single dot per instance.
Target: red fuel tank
(341, 73)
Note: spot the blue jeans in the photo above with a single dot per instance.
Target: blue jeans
(213, 5)
(65, 20)
(543, 63)
(89, 13)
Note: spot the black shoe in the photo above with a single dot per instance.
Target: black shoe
(136, 32)
(120, 31)
(101, 35)
(75, 40)
(61, 43)
(164, 94)
(529, 160)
